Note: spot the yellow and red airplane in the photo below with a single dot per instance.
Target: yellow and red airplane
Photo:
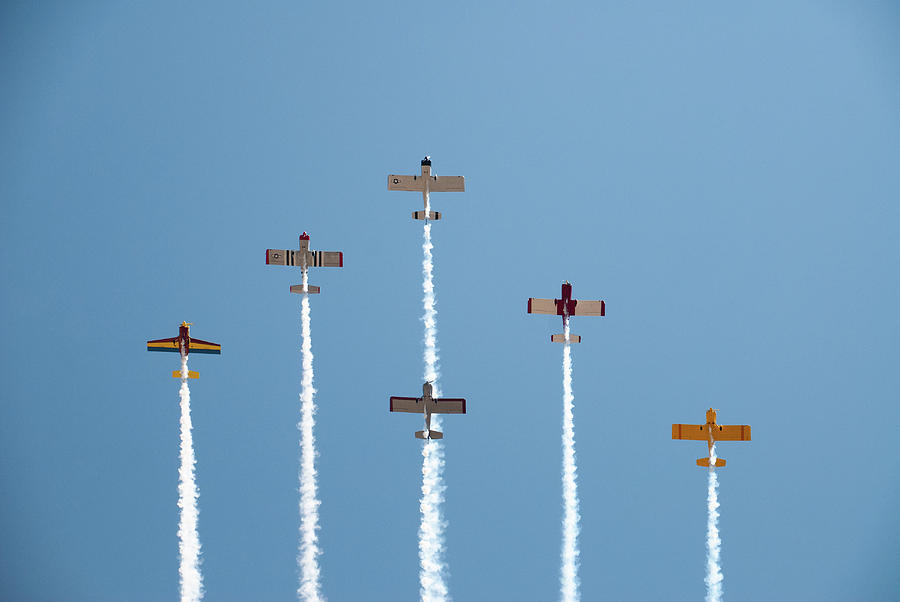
(711, 433)
(184, 345)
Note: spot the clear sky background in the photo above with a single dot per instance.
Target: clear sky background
(724, 176)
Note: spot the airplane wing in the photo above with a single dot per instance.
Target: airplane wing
(327, 259)
(280, 257)
(732, 432)
(693, 432)
(542, 306)
(406, 183)
(698, 432)
(164, 345)
(198, 346)
(448, 405)
(316, 259)
(406, 404)
(448, 184)
(590, 308)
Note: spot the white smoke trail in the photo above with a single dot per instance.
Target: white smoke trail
(713, 543)
(307, 558)
(188, 538)
(569, 581)
(432, 587)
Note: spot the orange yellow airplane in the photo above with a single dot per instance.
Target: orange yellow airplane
(711, 433)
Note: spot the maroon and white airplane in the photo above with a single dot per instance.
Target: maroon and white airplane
(305, 259)
(428, 405)
(565, 307)
(426, 184)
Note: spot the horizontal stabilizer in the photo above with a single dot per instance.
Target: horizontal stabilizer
(191, 374)
(561, 338)
(720, 462)
(431, 435)
(431, 215)
(298, 288)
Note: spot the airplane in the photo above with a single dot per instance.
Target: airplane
(305, 259)
(427, 183)
(711, 433)
(565, 307)
(184, 345)
(429, 405)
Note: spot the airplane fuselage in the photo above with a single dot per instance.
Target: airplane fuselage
(427, 396)
(566, 306)
(426, 191)
(184, 339)
(711, 427)
(304, 251)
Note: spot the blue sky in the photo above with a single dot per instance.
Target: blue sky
(724, 177)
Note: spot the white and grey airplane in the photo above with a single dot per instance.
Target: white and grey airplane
(304, 258)
(428, 404)
(426, 183)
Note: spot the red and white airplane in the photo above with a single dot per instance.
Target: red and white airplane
(429, 405)
(565, 307)
(427, 183)
(184, 345)
(305, 259)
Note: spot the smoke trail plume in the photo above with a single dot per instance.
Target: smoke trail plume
(713, 543)
(307, 558)
(188, 539)
(432, 587)
(569, 582)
